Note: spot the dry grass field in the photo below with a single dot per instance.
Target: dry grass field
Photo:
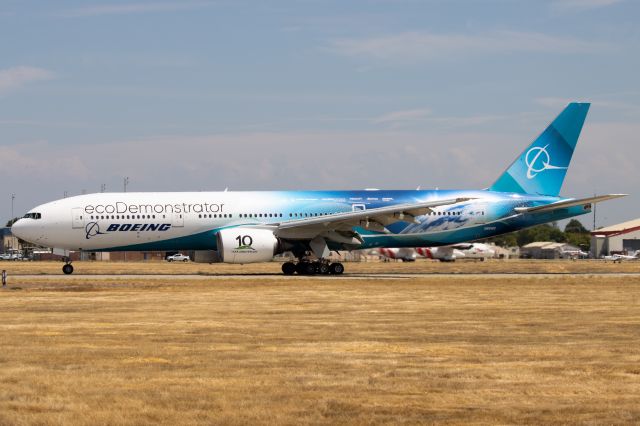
(429, 349)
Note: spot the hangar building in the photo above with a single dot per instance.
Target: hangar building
(622, 238)
(547, 250)
(8, 241)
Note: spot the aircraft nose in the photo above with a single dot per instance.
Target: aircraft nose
(17, 228)
(21, 230)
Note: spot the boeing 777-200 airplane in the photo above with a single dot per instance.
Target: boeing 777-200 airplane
(246, 227)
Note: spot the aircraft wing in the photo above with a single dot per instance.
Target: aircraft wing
(568, 203)
(373, 219)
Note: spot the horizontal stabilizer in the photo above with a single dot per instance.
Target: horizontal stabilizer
(568, 203)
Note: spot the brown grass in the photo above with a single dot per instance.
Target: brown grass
(424, 350)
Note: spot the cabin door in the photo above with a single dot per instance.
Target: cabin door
(178, 220)
(77, 218)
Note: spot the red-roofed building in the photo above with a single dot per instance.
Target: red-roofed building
(623, 238)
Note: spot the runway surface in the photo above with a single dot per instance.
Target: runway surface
(384, 276)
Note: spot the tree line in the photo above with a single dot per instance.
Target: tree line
(574, 233)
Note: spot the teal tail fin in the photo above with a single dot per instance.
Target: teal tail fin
(541, 168)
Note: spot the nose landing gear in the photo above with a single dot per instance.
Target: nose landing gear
(67, 269)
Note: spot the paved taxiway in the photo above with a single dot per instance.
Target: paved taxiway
(206, 277)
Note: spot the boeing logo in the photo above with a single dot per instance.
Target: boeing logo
(92, 229)
(538, 160)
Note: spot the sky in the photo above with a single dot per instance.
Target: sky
(199, 95)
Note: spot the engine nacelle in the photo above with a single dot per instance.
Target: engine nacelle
(246, 245)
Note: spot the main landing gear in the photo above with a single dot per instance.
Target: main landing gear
(67, 269)
(305, 267)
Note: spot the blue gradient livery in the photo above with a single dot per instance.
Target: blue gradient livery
(245, 227)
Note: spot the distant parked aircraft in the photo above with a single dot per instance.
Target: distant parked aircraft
(458, 251)
(622, 257)
(443, 253)
(406, 254)
(575, 254)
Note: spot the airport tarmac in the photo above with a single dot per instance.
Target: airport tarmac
(275, 276)
(352, 269)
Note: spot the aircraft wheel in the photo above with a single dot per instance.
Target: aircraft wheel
(185, 260)
(336, 268)
(67, 269)
(288, 268)
(323, 268)
(306, 268)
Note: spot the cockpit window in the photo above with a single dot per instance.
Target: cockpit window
(33, 216)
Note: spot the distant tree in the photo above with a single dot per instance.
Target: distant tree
(574, 234)
(540, 233)
(574, 226)
(577, 234)
(505, 240)
(546, 232)
(579, 239)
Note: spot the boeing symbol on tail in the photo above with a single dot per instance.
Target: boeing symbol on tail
(540, 157)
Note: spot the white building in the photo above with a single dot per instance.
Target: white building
(548, 250)
(8, 242)
(622, 238)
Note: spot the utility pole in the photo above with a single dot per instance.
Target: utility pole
(594, 214)
(13, 197)
(66, 194)
(103, 187)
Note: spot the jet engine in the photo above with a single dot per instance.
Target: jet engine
(246, 245)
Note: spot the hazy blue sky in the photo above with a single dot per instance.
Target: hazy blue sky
(311, 94)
